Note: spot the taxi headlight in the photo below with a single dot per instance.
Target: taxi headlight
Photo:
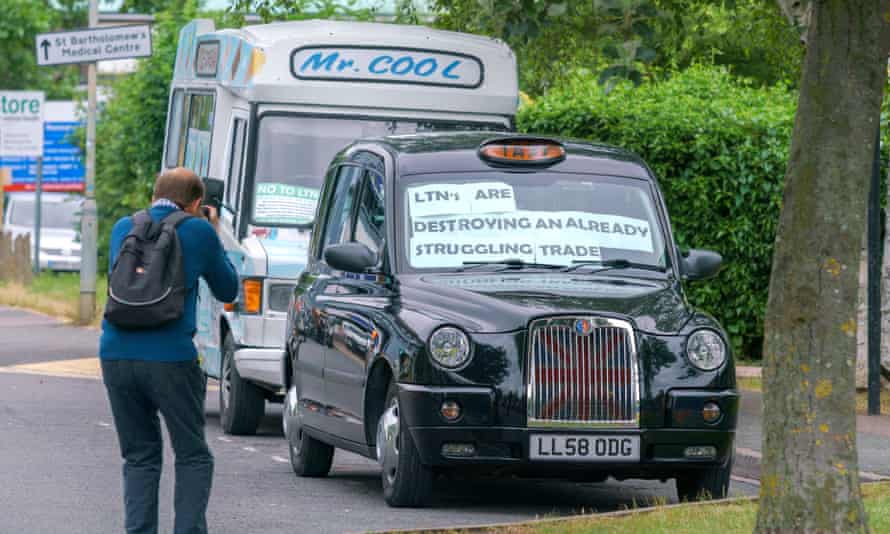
(450, 347)
(706, 350)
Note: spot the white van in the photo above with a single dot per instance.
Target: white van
(264, 109)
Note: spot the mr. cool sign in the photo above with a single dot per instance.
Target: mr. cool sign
(389, 65)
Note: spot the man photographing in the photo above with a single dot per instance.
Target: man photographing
(149, 361)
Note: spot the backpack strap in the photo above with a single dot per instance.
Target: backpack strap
(141, 217)
(176, 218)
(141, 224)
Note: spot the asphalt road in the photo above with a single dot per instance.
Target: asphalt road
(60, 465)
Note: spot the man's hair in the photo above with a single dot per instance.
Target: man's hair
(179, 185)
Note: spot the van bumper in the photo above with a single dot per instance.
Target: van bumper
(260, 365)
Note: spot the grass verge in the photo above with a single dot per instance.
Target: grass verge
(733, 517)
(756, 384)
(56, 294)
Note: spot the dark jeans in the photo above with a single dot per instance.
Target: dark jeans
(138, 390)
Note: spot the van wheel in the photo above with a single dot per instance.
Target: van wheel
(707, 484)
(242, 405)
(406, 481)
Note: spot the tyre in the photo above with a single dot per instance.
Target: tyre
(241, 404)
(309, 457)
(406, 481)
(706, 484)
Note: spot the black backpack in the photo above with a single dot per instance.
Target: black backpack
(146, 288)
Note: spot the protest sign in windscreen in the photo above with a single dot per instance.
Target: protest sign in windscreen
(556, 219)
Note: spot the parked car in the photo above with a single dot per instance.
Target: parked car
(59, 227)
(504, 304)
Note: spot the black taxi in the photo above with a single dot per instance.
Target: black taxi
(484, 303)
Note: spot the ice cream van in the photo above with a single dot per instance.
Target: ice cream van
(261, 111)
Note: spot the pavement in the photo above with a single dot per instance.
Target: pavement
(60, 464)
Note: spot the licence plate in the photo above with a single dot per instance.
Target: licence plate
(584, 448)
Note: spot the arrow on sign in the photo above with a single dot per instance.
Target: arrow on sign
(45, 46)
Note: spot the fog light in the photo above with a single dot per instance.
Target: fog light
(701, 452)
(460, 450)
(450, 410)
(711, 412)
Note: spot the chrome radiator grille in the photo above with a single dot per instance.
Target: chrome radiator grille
(582, 371)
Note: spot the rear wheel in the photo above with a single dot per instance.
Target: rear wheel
(406, 481)
(241, 403)
(707, 484)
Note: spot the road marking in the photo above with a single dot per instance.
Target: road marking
(249, 449)
(279, 459)
(76, 368)
(223, 438)
(104, 424)
(89, 368)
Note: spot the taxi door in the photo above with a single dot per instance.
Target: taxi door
(355, 338)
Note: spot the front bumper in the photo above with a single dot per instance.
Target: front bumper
(260, 365)
(506, 448)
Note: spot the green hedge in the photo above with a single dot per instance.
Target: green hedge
(719, 147)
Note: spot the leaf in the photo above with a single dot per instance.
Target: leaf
(611, 72)
(612, 51)
(645, 54)
(557, 10)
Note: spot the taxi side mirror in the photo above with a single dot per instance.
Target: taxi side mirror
(213, 192)
(699, 264)
(352, 257)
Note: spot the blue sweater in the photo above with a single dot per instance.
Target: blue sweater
(203, 256)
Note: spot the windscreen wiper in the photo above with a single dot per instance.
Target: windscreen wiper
(607, 265)
(509, 263)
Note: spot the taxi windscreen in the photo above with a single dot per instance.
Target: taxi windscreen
(451, 221)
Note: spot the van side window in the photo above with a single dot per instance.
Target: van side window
(336, 229)
(198, 136)
(369, 221)
(236, 157)
(175, 130)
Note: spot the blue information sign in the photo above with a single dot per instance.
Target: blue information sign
(62, 163)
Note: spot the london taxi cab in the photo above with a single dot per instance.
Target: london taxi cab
(504, 304)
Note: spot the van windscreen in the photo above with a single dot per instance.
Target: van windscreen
(63, 215)
(293, 153)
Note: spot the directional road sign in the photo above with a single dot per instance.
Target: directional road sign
(93, 44)
(21, 123)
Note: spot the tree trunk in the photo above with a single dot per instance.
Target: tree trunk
(809, 480)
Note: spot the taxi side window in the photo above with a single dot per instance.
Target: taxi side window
(370, 216)
(346, 188)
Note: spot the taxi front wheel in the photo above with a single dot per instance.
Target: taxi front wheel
(406, 481)
(706, 484)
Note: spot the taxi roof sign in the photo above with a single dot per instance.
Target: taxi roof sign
(522, 150)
